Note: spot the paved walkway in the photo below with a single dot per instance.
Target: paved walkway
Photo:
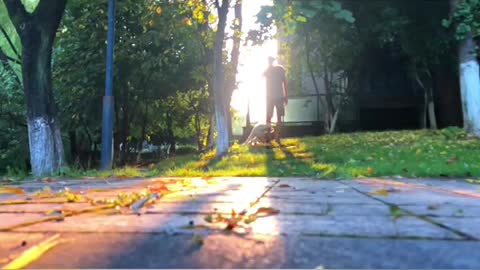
(275, 223)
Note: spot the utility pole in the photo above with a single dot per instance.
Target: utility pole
(107, 123)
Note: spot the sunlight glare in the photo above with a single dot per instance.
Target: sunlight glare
(253, 62)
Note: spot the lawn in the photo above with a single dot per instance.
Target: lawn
(443, 153)
(424, 153)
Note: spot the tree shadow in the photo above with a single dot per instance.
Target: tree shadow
(289, 159)
(189, 244)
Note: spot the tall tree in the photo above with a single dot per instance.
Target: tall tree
(159, 53)
(466, 16)
(219, 79)
(231, 81)
(37, 31)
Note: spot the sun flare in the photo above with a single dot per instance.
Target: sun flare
(253, 62)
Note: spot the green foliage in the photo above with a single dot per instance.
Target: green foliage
(10, 49)
(289, 15)
(186, 150)
(453, 133)
(13, 130)
(335, 41)
(30, 5)
(465, 20)
(190, 111)
(159, 72)
(321, 29)
(162, 70)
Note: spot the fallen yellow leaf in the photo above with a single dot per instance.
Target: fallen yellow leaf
(33, 253)
(178, 197)
(266, 211)
(10, 190)
(379, 192)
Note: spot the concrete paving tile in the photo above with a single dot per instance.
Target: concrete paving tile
(8, 220)
(444, 210)
(415, 196)
(42, 208)
(326, 207)
(359, 226)
(14, 244)
(105, 223)
(414, 227)
(470, 226)
(231, 251)
(332, 198)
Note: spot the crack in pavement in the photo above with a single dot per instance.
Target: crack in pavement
(235, 219)
(464, 235)
(263, 194)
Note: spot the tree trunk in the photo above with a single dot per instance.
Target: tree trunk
(211, 132)
(329, 97)
(229, 118)
(424, 113)
(45, 141)
(312, 73)
(219, 80)
(198, 130)
(470, 85)
(37, 34)
(125, 126)
(170, 135)
(72, 135)
(432, 118)
(424, 110)
(88, 149)
(231, 82)
(333, 124)
(428, 112)
(143, 133)
(469, 81)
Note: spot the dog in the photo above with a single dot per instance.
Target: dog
(261, 133)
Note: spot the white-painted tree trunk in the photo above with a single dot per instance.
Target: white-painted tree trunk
(46, 147)
(470, 86)
(333, 122)
(219, 81)
(222, 132)
(37, 33)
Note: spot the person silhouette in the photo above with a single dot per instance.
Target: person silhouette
(276, 86)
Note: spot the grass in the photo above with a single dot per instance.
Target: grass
(442, 153)
(125, 172)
